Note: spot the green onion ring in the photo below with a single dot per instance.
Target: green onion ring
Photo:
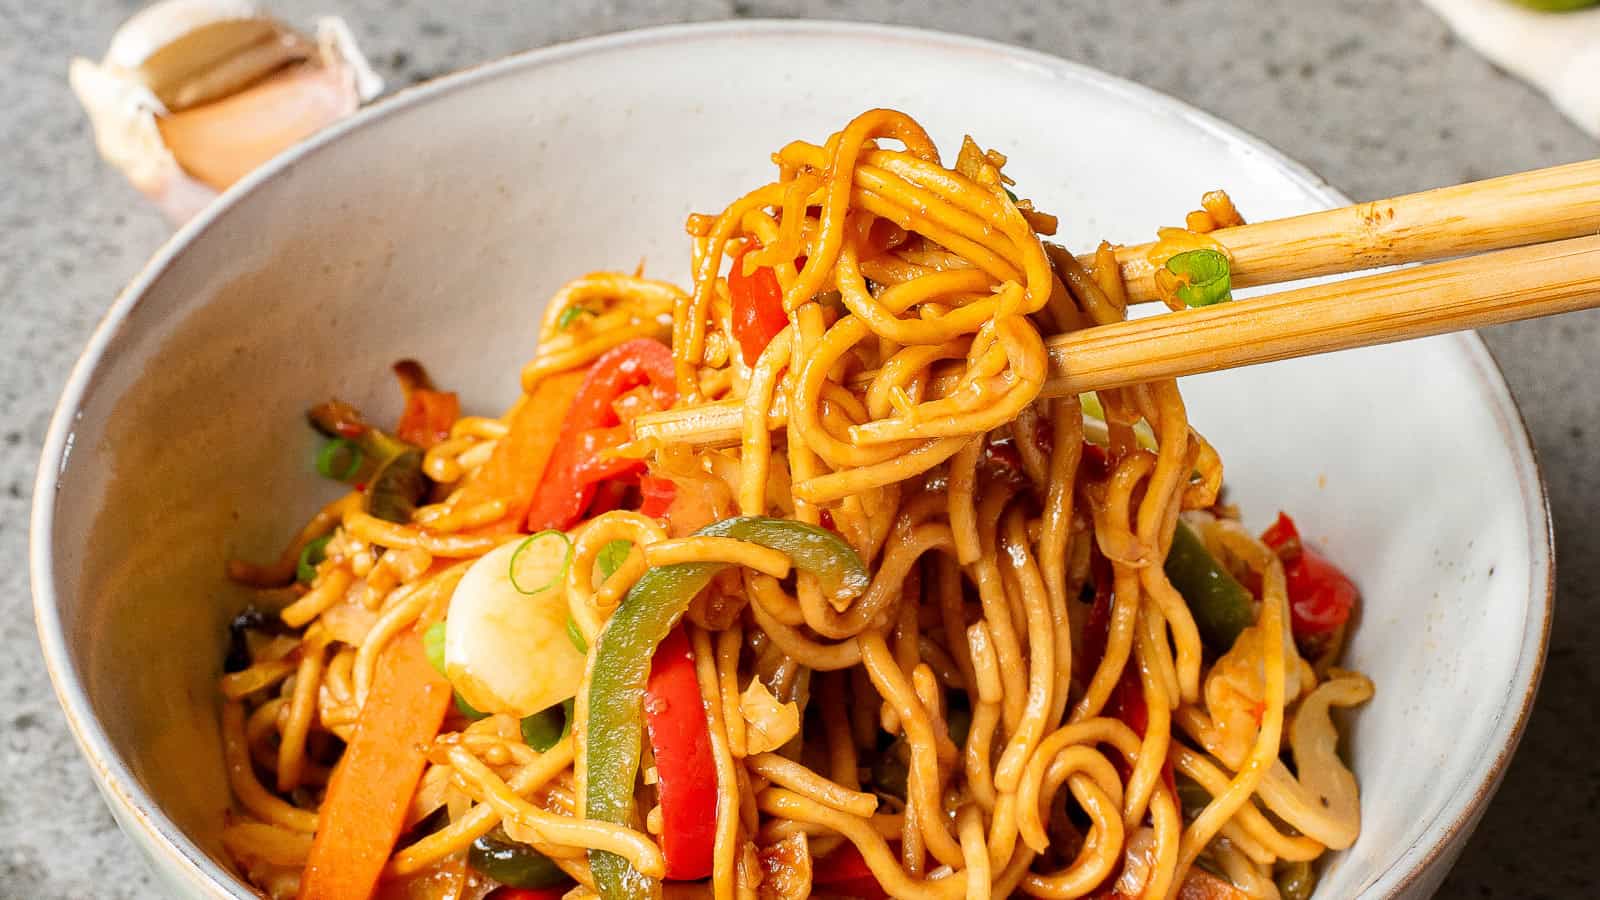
(1207, 275)
(612, 556)
(314, 552)
(570, 315)
(561, 573)
(329, 455)
(433, 645)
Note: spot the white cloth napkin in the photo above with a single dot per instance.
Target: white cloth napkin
(1559, 53)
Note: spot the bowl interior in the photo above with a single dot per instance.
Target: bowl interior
(436, 227)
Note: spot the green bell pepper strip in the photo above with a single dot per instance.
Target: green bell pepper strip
(546, 728)
(1222, 607)
(620, 666)
(891, 769)
(397, 487)
(1207, 275)
(1295, 880)
(513, 864)
(1192, 797)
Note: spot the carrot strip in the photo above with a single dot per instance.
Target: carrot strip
(518, 462)
(370, 792)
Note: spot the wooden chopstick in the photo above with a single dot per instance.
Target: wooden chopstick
(1473, 292)
(1512, 211)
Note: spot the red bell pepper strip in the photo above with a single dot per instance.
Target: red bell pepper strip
(657, 495)
(866, 888)
(428, 416)
(1096, 464)
(515, 893)
(1321, 597)
(608, 495)
(1097, 625)
(844, 873)
(758, 314)
(620, 662)
(686, 774)
(593, 427)
(1127, 704)
(1127, 700)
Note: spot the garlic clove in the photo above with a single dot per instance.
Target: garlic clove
(122, 113)
(222, 141)
(189, 52)
(336, 47)
(181, 83)
(160, 25)
(194, 94)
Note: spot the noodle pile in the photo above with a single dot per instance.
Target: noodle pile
(899, 407)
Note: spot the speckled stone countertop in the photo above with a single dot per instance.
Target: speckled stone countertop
(1376, 96)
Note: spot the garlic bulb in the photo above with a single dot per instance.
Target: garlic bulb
(194, 94)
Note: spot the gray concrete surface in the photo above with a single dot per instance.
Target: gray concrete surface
(1376, 96)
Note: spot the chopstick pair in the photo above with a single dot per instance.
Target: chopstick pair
(1529, 246)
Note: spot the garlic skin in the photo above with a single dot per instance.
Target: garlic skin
(194, 94)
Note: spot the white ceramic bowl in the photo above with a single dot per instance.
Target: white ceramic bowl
(435, 224)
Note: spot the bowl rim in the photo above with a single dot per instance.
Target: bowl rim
(131, 804)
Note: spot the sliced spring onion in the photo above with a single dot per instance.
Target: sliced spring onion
(1090, 401)
(1009, 194)
(1191, 796)
(1094, 424)
(891, 769)
(612, 556)
(465, 708)
(313, 553)
(433, 645)
(570, 315)
(546, 728)
(336, 419)
(576, 636)
(959, 720)
(339, 459)
(1207, 277)
(560, 573)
